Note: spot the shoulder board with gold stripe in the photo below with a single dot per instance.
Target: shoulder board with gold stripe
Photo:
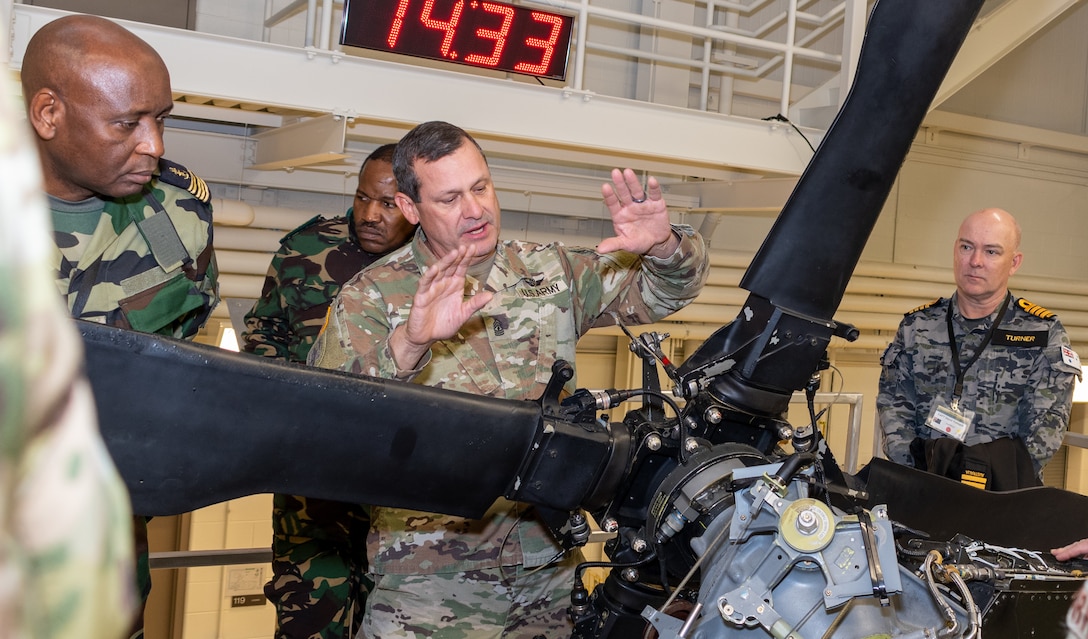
(974, 478)
(1035, 309)
(924, 306)
(177, 175)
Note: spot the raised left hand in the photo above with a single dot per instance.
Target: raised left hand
(640, 218)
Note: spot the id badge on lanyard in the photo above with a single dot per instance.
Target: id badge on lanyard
(949, 420)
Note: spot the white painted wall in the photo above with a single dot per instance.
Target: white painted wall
(934, 197)
(245, 19)
(1049, 87)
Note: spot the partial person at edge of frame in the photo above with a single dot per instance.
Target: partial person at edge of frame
(133, 230)
(66, 561)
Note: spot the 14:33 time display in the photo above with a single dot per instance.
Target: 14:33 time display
(479, 33)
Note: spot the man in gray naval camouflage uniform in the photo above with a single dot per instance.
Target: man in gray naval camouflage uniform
(1011, 358)
(319, 581)
(133, 231)
(460, 310)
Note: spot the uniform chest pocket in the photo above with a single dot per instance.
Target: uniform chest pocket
(522, 344)
(1006, 370)
(160, 307)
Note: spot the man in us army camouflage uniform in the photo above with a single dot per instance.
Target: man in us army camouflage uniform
(1002, 385)
(319, 567)
(460, 310)
(65, 526)
(133, 231)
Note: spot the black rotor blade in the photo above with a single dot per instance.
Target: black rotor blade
(807, 258)
(190, 425)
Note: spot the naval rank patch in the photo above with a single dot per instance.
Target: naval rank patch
(545, 290)
(923, 306)
(181, 177)
(1034, 309)
(1025, 339)
(974, 478)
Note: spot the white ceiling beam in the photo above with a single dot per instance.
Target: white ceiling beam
(1030, 136)
(995, 36)
(543, 119)
(223, 114)
(762, 196)
(221, 159)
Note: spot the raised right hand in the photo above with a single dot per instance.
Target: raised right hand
(439, 308)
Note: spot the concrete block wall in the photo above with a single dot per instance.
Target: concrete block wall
(209, 613)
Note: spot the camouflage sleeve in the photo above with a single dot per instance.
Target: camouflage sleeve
(352, 313)
(209, 285)
(896, 401)
(268, 329)
(189, 305)
(640, 290)
(1051, 389)
(327, 351)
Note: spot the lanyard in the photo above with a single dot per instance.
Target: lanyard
(960, 371)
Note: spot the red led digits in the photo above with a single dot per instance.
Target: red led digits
(449, 26)
(548, 45)
(507, 12)
(398, 22)
(489, 34)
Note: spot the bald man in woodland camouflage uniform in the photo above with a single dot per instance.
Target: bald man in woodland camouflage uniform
(1006, 376)
(460, 310)
(133, 231)
(319, 581)
(65, 526)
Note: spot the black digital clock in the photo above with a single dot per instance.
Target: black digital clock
(479, 33)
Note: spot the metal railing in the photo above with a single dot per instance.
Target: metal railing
(200, 558)
(853, 426)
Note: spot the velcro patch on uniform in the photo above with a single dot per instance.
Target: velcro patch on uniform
(1027, 339)
(143, 281)
(166, 246)
(547, 290)
(974, 478)
(1035, 309)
